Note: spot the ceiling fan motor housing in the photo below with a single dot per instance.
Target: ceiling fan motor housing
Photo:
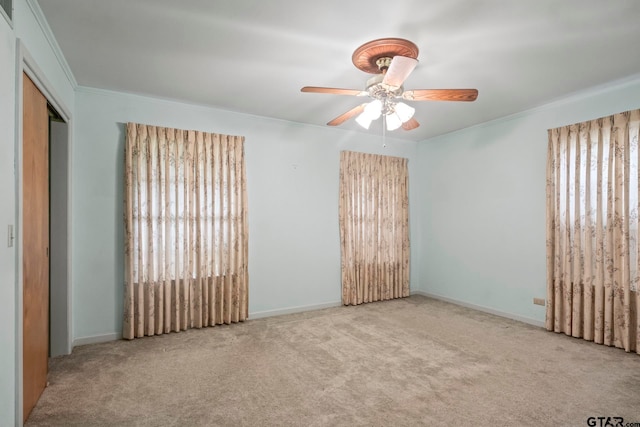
(378, 90)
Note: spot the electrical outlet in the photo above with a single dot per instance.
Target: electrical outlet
(539, 301)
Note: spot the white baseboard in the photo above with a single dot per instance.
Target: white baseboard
(96, 339)
(481, 308)
(291, 310)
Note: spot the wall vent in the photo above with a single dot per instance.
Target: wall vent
(7, 8)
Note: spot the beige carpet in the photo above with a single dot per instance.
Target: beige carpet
(415, 361)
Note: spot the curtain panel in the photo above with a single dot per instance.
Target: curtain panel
(374, 227)
(592, 230)
(186, 236)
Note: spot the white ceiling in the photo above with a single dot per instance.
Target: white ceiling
(253, 56)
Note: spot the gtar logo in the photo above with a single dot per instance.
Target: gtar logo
(605, 422)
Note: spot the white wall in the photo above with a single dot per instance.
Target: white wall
(482, 203)
(294, 248)
(7, 216)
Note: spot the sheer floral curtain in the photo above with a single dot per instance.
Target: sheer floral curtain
(374, 227)
(592, 230)
(186, 236)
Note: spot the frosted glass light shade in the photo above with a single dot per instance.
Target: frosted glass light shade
(370, 113)
(393, 121)
(373, 109)
(364, 120)
(404, 111)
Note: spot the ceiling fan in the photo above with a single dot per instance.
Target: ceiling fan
(392, 60)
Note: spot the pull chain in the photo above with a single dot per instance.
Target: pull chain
(384, 132)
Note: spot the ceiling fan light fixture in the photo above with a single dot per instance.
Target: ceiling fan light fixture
(371, 112)
(364, 120)
(373, 109)
(393, 121)
(404, 111)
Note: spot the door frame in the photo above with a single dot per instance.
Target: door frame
(26, 64)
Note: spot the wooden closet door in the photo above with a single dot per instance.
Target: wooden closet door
(35, 244)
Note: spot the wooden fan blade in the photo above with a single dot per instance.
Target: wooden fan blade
(399, 70)
(346, 116)
(410, 124)
(441, 95)
(333, 90)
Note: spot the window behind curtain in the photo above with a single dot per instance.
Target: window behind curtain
(374, 227)
(186, 230)
(592, 230)
(183, 195)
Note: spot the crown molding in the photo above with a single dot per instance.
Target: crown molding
(53, 43)
(577, 96)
